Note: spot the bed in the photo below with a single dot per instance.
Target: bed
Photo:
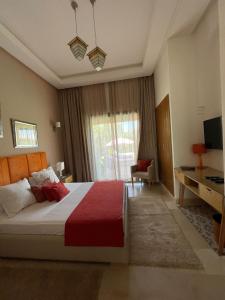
(38, 231)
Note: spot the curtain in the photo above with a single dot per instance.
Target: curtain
(148, 143)
(114, 145)
(107, 127)
(138, 95)
(123, 96)
(94, 100)
(112, 131)
(95, 105)
(74, 134)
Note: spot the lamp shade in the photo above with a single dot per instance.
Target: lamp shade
(78, 48)
(97, 58)
(57, 124)
(198, 148)
(60, 166)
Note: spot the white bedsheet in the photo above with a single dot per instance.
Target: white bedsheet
(46, 217)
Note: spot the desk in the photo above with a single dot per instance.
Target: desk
(210, 192)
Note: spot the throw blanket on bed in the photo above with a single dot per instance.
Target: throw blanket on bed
(98, 219)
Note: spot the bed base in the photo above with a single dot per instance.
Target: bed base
(51, 247)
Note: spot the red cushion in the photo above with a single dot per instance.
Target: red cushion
(142, 165)
(55, 191)
(38, 193)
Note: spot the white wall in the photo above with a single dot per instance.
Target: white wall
(161, 77)
(194, 65)
(207, 67)
(189, 70)
(183, 95)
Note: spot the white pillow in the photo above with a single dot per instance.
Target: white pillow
(16, 196)
(44, 174)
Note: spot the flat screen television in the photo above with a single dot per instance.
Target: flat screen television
(213, 133)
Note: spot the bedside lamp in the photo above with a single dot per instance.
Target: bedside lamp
(60, 166)
(199, 149)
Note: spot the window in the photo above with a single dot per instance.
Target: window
(114, 145)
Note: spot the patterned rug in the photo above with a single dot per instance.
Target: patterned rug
(201, 218)
(155, 237)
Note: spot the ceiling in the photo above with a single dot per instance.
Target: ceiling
(131, 32)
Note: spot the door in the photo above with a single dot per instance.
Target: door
(164, 144)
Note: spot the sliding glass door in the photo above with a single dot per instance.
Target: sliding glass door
(114, 143)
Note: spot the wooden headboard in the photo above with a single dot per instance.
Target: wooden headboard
(17, 167)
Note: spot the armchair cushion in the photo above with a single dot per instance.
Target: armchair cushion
(142, 165)
(143, 175)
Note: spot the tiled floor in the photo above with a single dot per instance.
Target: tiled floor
(137, 282)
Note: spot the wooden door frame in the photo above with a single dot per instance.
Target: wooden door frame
(169, 182)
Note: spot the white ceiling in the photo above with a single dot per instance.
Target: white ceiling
(131, 32)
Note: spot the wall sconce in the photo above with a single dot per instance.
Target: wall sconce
(57, 125)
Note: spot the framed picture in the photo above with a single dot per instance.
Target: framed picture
(24, 134)
(1, 122)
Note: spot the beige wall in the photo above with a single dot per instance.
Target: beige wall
(27, 97)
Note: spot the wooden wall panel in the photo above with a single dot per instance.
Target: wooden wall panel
(164, 144)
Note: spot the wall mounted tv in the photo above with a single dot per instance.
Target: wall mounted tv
(213, 133)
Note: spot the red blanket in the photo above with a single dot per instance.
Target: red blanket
(98, 219)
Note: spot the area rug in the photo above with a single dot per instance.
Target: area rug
(155, 237)
(34, 280)
(201, 218)
(147, 206)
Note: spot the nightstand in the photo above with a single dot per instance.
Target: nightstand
(66, 178)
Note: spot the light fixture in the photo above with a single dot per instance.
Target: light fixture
(97, 55)
(77, 45)
(97, 58)
(56, 125)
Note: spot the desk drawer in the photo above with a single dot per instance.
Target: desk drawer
(179, 176)
(211, 197)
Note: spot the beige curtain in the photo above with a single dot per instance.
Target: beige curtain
(102, 126)
(137, 95)
(74, 134)
(112, 126)
(124, 96)
(95, 105)
(94, 100)
(148, 142)
(114, 145)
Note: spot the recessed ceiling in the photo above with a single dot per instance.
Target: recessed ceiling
(131, 32)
